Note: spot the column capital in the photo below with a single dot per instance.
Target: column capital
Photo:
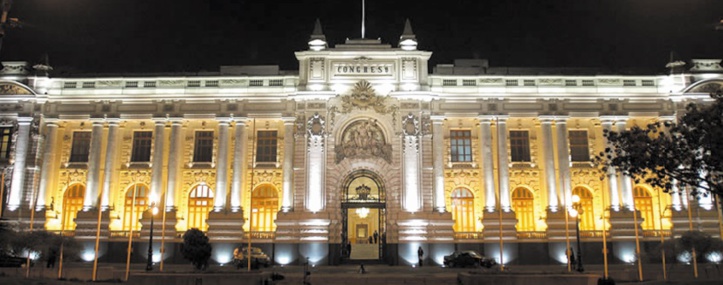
(546, 119)
(437, 119)
(241, 121)
(502, 118)
(288, 120)
(224, 120)
(52, 123)
(612, 119)
(561, 120)
(485, 119)
(160, 121)
(113, 121)
(175, 120)
(24, 120)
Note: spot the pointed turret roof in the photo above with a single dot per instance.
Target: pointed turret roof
(408, 41)
(317, 40)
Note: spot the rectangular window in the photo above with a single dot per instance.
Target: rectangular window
(211, 83)
(587, 82)
(461, 146)
(528, 82)
(449, 82)
(193, 83)
(203, 148)
(88, 84)
(276, 82)
(131, 84)
(6, 134)
(266, 146)
(570, 82)
(510, 82)
(629, 83)
(579, 148)
(648, 83)
(81, 147)
(520, 146)
(141, 146)
(149, 84)
(71, 84)
(256, 82)
(469, 82)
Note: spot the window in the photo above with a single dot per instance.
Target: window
(212, 83)
(88, 84)
(629, 83)
(587, 219)
(193, 83)
(463, 210)
(266, 146)
(528, 82)
(72, 203)
(200, 203)
(520, 146)
(570, 82)
(644, 204)
(587, 82)
(131, 84)
(648, 83)
(203, 148)
(141, 146)
(276, 82)
(510, 82)
(6, 134)
(449, 82)
(81, 147)
(469, 82)
(132, 212)
(256, 82)
(461, 146)
(523, 203)
(579, 147)
(149, 84)
(70, 84)
(264, 206)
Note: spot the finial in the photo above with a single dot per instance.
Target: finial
(317, 41)
(408, 41)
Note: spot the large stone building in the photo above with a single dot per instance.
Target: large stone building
(362, 146)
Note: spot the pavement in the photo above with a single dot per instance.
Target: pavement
(375, 274)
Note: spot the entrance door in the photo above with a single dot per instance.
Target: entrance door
(364, 233)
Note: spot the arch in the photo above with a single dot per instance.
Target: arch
(463, 210)
(587, 218)
(200, 203)
(644, 204)
(363, 138)
(705, 86)
(363, 186)
(133, 212)
(264, 206)
(523, 204)
(72, 203)
(15, 88)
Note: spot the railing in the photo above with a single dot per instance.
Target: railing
(65, 233)
(531, 235)
(656, 233)
(468, 235)
(260, 235)
(592, 234)
(124, 234)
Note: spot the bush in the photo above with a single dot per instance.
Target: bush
(703, 243)
(196, 248)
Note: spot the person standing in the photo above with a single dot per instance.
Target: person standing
(420, 255)
(376, 237)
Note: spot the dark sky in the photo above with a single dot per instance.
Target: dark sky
(121, 36)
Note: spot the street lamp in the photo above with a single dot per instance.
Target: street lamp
(575, 213)
(154, 211)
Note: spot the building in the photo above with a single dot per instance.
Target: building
(361, 146)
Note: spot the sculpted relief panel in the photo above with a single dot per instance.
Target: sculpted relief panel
(363, 139)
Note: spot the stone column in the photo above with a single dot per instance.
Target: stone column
(488, 162)
(438, 162)
(503, 163)
(563, 159)
(92, 183)
(157, 164)
(607, 123)
(549, 163)
(48, 161)
(287, 201)
(239, 165)
(109, 162)
(221, 165)
(626, 183)
(174, 162)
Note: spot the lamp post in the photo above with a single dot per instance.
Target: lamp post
(576, 212)
(149, 264)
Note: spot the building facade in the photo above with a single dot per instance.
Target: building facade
(361, 154)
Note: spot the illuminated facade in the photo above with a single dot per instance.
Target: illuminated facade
(362, 146)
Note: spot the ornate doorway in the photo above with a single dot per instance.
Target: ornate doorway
(363, 209)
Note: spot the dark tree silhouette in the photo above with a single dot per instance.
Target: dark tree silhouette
(669, 154)
(196, 248)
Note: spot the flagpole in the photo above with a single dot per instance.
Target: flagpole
(363, 17)
(63, 216)
(97, 235)
(130, 233)
(251, 197)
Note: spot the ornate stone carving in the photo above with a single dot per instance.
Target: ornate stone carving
(232, 82)
(10, 107)
(363, 139)
(7, 88)
(490, 81)
(108, 83)
(711, 87)
(364, 97)
(410, 125)
(316, 125)
(272, 176)
(426, 126)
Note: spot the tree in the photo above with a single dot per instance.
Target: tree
(669, 154)
(196, 248)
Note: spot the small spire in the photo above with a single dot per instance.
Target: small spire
(408, 41)
(317, 41)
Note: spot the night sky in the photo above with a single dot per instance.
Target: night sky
(125, 36)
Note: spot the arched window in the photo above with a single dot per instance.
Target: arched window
(72, 203)
(587, 219)
(264, 206)
(644, 204)
(200, 203)
(132, 213)
(463, 210)
(523, 203)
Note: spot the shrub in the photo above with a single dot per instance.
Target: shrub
(196, 248)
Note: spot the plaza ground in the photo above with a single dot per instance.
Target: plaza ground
(349, 274)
